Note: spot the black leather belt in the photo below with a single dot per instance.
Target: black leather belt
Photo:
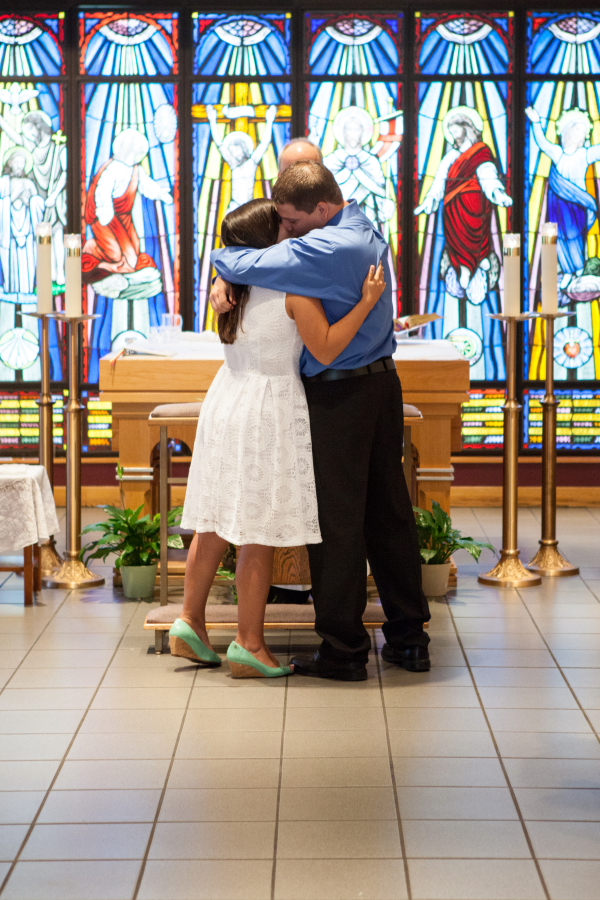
(386, 364)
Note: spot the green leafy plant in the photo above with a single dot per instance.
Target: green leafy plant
(133, 537)
(438, 540)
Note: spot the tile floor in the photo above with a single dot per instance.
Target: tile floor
(126, 775)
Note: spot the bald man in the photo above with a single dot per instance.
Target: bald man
(299, 149)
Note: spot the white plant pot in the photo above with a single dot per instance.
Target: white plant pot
(435, 580)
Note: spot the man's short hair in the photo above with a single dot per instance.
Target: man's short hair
(306, 183)
(299, 140)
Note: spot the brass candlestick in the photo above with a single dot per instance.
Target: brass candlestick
(50, 560)
(510, 571)
(548, 560)
(73, 573)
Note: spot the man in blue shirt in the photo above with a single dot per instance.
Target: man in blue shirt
(356, 416)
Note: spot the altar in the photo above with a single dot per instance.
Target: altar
(435, 378)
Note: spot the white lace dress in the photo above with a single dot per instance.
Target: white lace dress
(251, 479)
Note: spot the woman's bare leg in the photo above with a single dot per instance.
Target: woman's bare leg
(204, 557)
(253, 579)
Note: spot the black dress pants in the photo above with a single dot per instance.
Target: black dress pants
(365, 513)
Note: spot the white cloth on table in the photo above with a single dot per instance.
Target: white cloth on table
(27, 510)
(252, 479)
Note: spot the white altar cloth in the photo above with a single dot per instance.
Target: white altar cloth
(27, 510)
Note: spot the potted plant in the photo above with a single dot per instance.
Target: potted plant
(136, 541)
(438, 540)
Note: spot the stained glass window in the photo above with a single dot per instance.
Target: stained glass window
(483, 419)
(562, 172)
(240, 127)
(358, 124)
(33, 180)
(130, 160)
(463, 173)
(578, 419)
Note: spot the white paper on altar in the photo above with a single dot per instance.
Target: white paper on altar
(415, 348)
(27, 510)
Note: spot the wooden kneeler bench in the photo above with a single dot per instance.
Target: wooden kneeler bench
(224, 615)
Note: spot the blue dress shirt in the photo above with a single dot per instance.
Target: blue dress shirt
(331, 264)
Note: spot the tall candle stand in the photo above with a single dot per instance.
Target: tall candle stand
(50, 560)
(549, 560)
(510, 571)
(73, 573)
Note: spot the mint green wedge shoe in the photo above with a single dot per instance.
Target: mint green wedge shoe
(184, 641)
(244, 664)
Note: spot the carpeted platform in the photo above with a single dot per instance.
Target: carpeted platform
(284, 615)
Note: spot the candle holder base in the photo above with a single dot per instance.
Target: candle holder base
(550, 561)
(50, 559)
(510, 572)
(73, 574)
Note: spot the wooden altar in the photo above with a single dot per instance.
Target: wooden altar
(136, 384)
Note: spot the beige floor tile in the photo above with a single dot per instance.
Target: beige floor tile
(594, 717)
(66, 807)
(489, 611)
(574, 641)
(351, 696)
(77, 641)
(55, 698)
(442, 743)
(40, 721)
(553, 773)
(224, 698)
(570, 880)
(19, 807)
(322, 773)
(475, 625)
(578, 659)
(130, 721)
(21, 641)
(583, 678)
(445, 657)
(588, 697)
(219, 773)
(158, 745)
(348, 879)
(5, 676)
(565, 720)
(111, 880)
(229, 745)
(565, 840)
(112, 774)
(329, 744)
(509, 658)
(27, 775)
(331, 804)
(31, 746)
(406, 719)
(489, 879)
(376, 839)
(11, 838)
(67, 659)
(527, 698)
(498, 641)
(449, 676)
(545, 745)
(484, 840)
(426, 696)
(456, 803)
(141, 698)
(467, 772)
(311, 719)
(207, 880)
(219, 805)
(560, 805)
(221, 677)
(84, 841)
(86, 625)
(213, 840)
(240, 720)
(148, 678)
(523, 678)
(57, 678)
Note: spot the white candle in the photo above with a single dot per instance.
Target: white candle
(512, 275)
(549, 267)
(73, 275)
(44, 267)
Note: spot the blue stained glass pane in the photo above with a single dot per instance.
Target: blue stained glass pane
(30, 45)
(462, 213)
(578, 420)
(565, 44)
(354, 45)
(242, 45)
(464, 44)
(131, 212)
(123, 44)
(239, 131)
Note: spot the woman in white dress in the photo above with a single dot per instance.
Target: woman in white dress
(251, 481)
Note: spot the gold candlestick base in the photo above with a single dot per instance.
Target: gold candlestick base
(550, 561)
(510, 572)
(50, 559)
(73, 573)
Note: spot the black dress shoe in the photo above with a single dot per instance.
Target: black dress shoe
(415, 659)
(318, 666)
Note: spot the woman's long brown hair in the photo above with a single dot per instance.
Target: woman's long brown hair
(254, 224)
